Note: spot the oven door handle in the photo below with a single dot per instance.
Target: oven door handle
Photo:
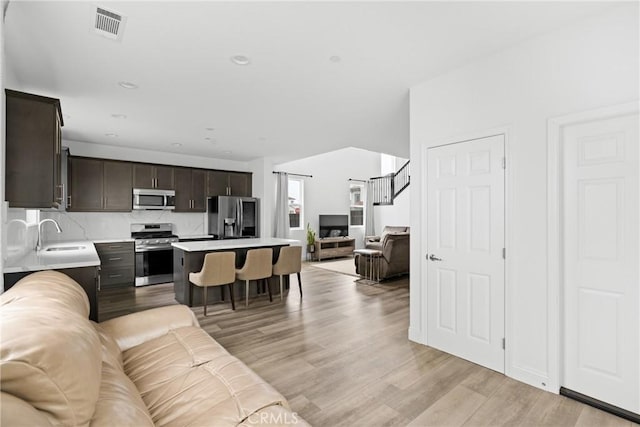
(152, 248)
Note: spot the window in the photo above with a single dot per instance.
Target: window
(356, 194)
(296, 203)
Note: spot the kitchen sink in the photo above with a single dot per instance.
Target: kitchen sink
(65, 248)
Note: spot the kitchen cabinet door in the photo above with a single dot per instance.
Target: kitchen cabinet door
(143, 175)
(164, 177)
(182, 180)
(240, 184)
(217, 183)
(198, 190)
(33, 151)
(190, 190)
(118, 190)
(85, 184)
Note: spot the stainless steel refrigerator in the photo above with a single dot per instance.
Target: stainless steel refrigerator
(234, 217)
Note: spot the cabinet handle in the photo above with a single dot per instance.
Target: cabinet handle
(115, 259)
(68, 201)
(60, 188)
(98, 278)
(113, 276)
(115, 246)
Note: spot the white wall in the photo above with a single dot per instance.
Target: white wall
(396, 214)
(328, 191)
(587, 65)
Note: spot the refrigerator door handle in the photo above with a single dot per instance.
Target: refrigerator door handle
(241, 216)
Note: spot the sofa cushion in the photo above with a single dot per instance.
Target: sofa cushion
(186, 378)
(51, 354)
(119, 403)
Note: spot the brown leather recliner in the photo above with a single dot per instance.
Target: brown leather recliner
(395, 256)
(375, 242)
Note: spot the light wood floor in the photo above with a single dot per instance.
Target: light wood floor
(341, 357)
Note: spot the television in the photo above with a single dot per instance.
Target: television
(334, 226)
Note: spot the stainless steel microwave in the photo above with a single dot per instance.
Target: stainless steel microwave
(152, 199)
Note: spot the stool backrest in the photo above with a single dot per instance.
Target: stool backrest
(219, 268)
(258, 264)
(289, 260)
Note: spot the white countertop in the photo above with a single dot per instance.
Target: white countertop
(54, 260)
(122, 239)
(217, 245)
(197, 236)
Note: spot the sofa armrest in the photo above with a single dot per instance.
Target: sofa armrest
(372, 238)
(137, 328)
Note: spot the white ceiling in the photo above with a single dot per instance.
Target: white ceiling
(291, 102)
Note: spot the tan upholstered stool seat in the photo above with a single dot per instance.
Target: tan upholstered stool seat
(219, 269)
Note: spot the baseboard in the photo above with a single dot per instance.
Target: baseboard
(619, 412)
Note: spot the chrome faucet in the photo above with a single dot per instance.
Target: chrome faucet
(58, 229)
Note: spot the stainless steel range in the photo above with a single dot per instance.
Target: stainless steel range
(154, 253)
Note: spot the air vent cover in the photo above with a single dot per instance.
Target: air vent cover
(109, 24)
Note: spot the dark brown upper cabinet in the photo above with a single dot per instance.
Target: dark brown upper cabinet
(153, 176)
(190, 190)
(33, 151)
(225, 183)
(97, 185)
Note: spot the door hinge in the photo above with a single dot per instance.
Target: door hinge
(504, 163)
(504, 253)
(503, 344)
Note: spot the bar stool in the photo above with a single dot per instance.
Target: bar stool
(289, 262)
(218, 269)
(257, 266)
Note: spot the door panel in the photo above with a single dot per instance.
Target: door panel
(465, 238)
(600, 256)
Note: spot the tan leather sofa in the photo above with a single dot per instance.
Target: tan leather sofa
(156, 367)
(394, 246)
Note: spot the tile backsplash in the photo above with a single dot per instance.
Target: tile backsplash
(115, 225)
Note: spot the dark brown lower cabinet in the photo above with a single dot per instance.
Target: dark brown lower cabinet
(117, 264)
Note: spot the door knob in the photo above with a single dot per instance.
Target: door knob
(434, 258)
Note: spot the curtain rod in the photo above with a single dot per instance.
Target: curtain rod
(358, 180)
(294, 174)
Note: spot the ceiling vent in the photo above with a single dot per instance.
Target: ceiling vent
(109, 24)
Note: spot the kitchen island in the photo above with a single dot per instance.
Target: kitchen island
(189, 256)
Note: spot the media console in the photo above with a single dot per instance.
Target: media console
(334, 247)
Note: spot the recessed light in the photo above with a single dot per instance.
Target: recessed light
(119, 116)
(176, 144)
(128, 85)
(211, 140)
(240, 60)
(226, 152)
(111, 135)
(335, 58)
(210, 129)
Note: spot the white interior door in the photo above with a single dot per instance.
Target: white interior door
(465, 241)
(600, 260)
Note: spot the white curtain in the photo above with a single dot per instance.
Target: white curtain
(281, 226)
(369, 226)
